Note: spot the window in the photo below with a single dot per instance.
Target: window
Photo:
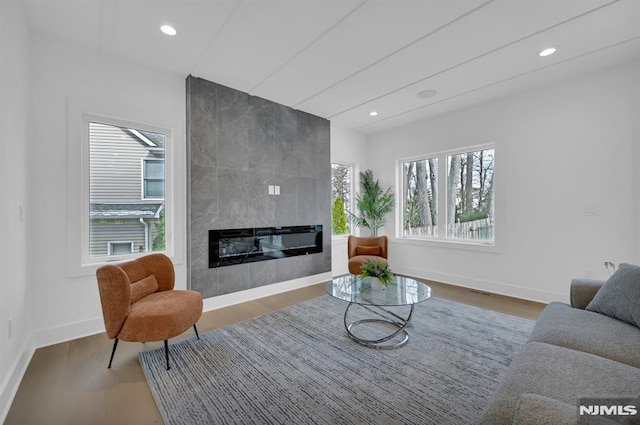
(454, 202)
(126, 211)
(420, 216)
(116, 248)
(470, 207)
(341, 188)
(153, 178)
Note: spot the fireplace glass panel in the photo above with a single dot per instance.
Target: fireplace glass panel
(237, 246)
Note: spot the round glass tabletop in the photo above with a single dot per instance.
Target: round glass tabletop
(369, 291)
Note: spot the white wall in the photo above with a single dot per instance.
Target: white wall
(351, 148)
(559, 149)
(14, 135)
(65, 83)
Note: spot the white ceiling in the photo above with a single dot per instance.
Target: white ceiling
(341, 59)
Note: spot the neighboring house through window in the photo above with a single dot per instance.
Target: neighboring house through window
(449, 196)
(126, 189)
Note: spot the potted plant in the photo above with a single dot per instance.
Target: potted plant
(373, 203)
(377, 269)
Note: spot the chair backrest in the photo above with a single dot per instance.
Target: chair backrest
(354, 241)
(157, 264)
(114, 284)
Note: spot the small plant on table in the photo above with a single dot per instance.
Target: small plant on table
(379, 269)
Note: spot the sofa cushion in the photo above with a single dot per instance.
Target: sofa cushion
(594, 333)
(635, 419)
(368, 250)
(535, 409)
(620, 295)
(559, 373)
(143, 287)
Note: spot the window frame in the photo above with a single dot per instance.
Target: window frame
(86, 260)
(350, 207)
(442, 239)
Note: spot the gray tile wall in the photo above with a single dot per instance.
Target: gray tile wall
(238, 145)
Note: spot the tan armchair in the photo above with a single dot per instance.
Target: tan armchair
(140, 305)
(361, 249)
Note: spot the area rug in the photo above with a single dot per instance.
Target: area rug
(298, 366)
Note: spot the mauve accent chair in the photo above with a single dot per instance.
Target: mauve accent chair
(359, 250)
(139, 303)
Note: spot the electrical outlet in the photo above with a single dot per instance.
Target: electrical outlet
(10, 327)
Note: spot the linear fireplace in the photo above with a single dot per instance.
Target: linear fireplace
(237, 246)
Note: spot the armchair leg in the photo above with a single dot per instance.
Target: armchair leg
(113, 351)
(196, 329)
(166, 352)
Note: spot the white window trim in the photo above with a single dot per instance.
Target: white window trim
(441, 240)
(354, 179)
(78, 261)
(142, 178)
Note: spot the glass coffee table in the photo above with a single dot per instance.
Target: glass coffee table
(374, 297)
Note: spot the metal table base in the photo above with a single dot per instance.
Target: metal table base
(397, 322)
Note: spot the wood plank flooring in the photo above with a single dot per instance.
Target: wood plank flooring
(69, 383)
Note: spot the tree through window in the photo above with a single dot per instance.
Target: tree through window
(340, 198)
(454, 203)
(421, 198)
(470, 195)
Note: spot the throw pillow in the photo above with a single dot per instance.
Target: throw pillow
(143, 287)
(535, 409)
(368, 250)
(619, 297)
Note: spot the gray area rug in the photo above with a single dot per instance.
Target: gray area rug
(298, 366)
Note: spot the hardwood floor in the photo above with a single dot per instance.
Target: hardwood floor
(69, 383)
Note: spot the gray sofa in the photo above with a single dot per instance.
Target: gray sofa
(572, 354)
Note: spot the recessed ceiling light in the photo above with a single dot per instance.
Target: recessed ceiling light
(373, 113)
(548, 52)
(425, 94)
(168, 29)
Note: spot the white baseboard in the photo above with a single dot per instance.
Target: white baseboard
(12, 383)
(50, 336)
(486, 286)
(233, 298)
